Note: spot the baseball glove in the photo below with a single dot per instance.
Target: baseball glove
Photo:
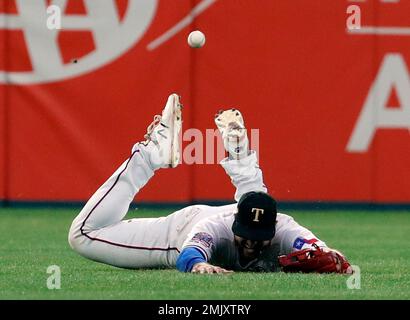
(320, 260)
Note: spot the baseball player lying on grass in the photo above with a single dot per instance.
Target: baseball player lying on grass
(245, 236)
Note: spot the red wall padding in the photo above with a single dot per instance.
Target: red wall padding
(291, 67)
(3, 145)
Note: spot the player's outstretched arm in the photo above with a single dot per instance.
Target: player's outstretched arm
(191, 259)
(302, 251)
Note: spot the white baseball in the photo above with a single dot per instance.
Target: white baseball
(196, 39)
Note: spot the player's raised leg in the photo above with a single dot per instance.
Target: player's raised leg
(241, 164)
(98, 232)
(232, 128)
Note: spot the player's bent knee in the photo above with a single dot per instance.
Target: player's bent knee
(72, 240)
(74, 237)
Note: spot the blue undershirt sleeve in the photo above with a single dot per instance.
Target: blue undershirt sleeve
(188, 257)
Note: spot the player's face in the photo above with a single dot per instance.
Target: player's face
(250, 249)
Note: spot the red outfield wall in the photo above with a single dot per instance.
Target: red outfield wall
(332, 105)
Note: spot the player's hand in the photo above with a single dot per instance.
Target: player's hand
(343, 264)
(203, 267)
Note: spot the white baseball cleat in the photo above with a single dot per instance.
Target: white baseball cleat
(231, 125)
(162, 137)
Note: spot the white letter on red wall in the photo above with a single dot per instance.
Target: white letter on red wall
(376, 114)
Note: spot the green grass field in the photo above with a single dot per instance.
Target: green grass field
(33, 239)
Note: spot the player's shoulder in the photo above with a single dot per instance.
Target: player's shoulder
(222, 217)
(219, 217)
(281, 218)
(215, 209)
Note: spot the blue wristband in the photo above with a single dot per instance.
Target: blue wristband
(188, 258)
